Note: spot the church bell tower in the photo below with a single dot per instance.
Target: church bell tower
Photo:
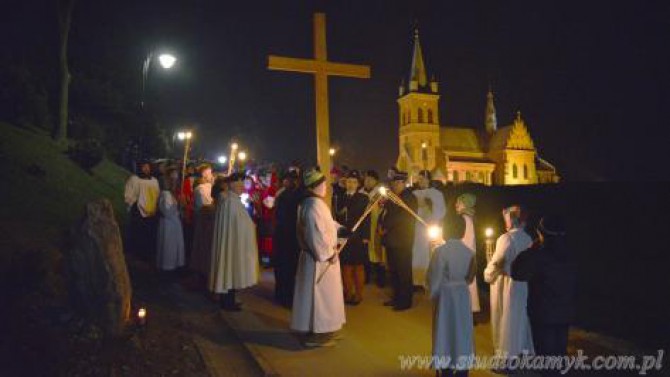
(419, 130)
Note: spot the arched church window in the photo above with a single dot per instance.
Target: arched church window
(525, 171)
(430, 116)
(456, 176)
(420, 115)
(515, 171)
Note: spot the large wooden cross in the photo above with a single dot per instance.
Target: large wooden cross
(321, 68)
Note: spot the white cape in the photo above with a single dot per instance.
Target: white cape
(431, 215)
(510, 325)
(317, 308)
(234, 247)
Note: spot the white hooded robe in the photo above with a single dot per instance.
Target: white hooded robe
(317, 307)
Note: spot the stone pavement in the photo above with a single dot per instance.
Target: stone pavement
(374, 337)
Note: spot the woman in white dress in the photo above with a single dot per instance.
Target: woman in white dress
(170, 251)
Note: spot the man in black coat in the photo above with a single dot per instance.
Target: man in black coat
(286, 251)
(552, 280)
(398, 236)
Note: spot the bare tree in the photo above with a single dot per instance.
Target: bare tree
(64, 20)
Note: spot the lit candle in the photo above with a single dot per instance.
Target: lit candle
(142, 316)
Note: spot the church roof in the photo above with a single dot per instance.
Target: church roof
(460, 139)
(514, 136)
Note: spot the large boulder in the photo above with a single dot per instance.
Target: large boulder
(97, 273)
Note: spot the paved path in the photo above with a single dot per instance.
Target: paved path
(374, 337)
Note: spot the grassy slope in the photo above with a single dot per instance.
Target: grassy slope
(36, 209)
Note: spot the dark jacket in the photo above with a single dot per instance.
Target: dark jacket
(552, 281)
(353, 207)
(286, 216)
(397, 223)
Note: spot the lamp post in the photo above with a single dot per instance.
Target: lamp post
(332, 152)
(233, 154)
(242, 155)
(166, 61)
(489, 244)
(424, 157)
(222, 159)
(185, 135)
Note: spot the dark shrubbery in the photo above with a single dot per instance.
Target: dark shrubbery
(87, 153)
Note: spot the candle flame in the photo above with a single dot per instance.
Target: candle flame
(434, 232)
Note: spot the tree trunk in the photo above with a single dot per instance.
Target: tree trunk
(64, 21)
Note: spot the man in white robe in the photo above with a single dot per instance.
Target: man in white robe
(509, 319)
(318, 306)
(141, 197)
(465, 206)
(451, 269)
(234, 248)
(432, 209)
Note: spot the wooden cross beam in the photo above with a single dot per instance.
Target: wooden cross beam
(321, 68)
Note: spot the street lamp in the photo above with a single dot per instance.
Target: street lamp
(222, 159)
(184, 135)
(242, 156)
(166, 61)
(233, 154)
(424, 155)
(332, 152)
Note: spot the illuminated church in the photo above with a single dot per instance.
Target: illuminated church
(491, 155)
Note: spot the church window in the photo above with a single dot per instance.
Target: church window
(420, 115)
(481, 176)
(515, 171)
(456, 176)
(525, 171)
(430, 116)
(468, 176)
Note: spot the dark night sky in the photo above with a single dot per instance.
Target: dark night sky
(590, 77)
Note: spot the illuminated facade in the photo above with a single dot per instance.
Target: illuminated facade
(490, 156)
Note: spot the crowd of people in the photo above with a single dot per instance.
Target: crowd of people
(323, 254)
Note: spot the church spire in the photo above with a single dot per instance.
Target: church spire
(491, 120)
(418, 76)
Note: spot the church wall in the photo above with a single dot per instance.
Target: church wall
(515, 167)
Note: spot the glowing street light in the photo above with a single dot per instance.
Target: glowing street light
(488, 232)
(234, 146)
(222, 159)
(332, 152)
(184, 135)
(167, 60)
(242, 156)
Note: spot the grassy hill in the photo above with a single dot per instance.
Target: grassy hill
(44, 192)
